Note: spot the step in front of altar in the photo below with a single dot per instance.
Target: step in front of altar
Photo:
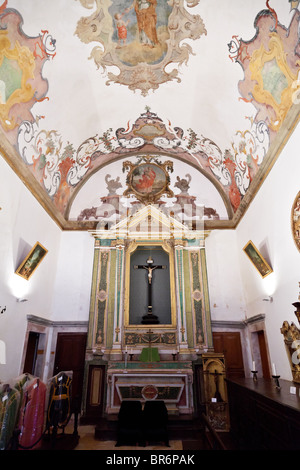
(183, 427)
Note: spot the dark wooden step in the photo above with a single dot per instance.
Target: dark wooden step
(182, 427)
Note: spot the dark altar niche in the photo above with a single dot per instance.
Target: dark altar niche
(150, 294)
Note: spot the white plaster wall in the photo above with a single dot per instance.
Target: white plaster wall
(226, 294)
(59, 289)
(72, 290)
(23, 222)
(268, 224)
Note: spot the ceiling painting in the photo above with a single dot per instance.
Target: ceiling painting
(141, 38)
(21, 62)
(62, 127)
(270, 61)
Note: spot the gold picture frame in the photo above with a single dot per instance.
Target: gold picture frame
(148, 180)
(32, 260)
(295, 220)
(129, 251)
(257, 259)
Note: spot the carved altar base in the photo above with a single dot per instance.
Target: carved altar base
(168, 381)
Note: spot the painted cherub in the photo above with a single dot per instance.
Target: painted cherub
(121, 27)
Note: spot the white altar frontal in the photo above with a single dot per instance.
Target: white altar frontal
(171, 382)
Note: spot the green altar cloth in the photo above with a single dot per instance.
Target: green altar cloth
(149, 355)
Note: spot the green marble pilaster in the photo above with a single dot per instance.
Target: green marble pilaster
(93, 298)
(111, 300)
(209, 337)
(117, 297)
(200, 299)
(180, 295)
(99, 297)
(188, 300)
(102, 297)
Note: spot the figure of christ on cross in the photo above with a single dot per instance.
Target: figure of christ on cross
(150, 318)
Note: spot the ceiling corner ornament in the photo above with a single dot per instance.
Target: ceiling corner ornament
(274, 79)
(270, 61)
(296, 220)
(147, 180)
(141, 39)
(18, 62)
(21, 63)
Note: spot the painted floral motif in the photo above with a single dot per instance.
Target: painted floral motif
(59, 166)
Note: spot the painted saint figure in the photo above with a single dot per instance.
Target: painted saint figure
(146, 16)
(146, 181)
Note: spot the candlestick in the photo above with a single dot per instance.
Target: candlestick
(276, 380)
(254, 372)
(274, 369)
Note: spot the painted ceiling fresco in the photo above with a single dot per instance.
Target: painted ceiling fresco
(210, 92)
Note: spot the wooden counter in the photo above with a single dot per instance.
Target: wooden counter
(262, 417)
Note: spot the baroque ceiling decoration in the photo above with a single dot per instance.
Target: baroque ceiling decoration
(161, 28)
(270, 62)
(148, 183)
(22, 60)
(57, 170)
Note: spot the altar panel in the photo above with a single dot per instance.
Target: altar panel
(167, 381)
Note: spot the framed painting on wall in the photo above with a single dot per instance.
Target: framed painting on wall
(257, 259)
(296, 221)
(31, 262)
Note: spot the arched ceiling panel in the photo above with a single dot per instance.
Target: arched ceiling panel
(102, 196)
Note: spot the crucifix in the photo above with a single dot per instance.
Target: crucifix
(150, 318)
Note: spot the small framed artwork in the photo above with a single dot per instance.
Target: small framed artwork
(31, 262)
(257, 259)
(296, 220)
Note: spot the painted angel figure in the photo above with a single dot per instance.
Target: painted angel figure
(121, 27)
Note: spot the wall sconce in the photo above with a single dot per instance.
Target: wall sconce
(22, 300)
(268, 299)
(2, 310)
